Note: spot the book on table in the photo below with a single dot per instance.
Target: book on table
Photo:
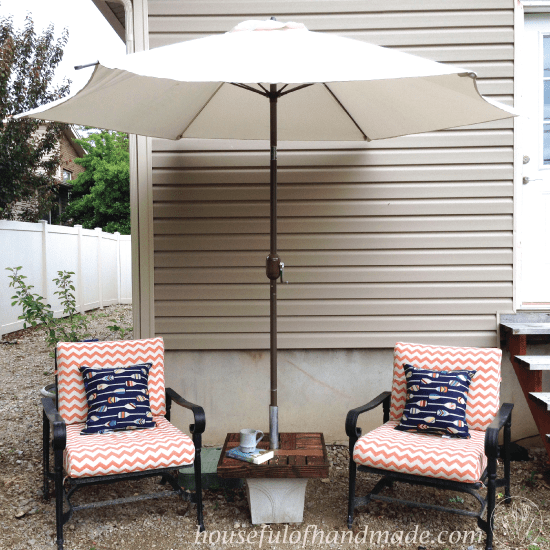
(258, 456)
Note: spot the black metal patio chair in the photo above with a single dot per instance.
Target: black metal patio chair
(112, 447)
(399, 451)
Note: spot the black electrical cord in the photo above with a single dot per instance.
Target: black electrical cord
(527, 437)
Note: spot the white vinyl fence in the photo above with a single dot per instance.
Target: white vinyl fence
(101, 263)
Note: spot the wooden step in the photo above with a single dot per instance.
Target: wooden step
(534, 362)
(542, 398)
(519, 329)
(526, 328)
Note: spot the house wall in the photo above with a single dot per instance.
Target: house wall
(405, 239)
(29, 205)
(68, 154)
(316, 389)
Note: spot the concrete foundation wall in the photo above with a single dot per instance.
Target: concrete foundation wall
(316, 389)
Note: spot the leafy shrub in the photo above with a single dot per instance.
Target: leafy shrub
(71, 328)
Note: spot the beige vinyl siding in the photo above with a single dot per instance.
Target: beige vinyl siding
(402, 239)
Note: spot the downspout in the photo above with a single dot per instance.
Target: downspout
(128, 23)
(134, 194)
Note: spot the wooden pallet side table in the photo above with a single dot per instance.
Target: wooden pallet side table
(276, 489)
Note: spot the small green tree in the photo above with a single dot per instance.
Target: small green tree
(100, 196)
(36, 312)
(28, 161)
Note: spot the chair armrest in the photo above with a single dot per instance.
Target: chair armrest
(54, 418)
(198, 412)
(351, 419)
(491, 435)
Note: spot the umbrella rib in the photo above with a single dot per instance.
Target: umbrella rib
(201, 110)
(78, 67)
(346, 111)
(294, 89)
(249, 88)
(263, 87)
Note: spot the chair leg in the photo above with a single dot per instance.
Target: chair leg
(352, 478)
(506, 458)
(45, 456)
(58, 465)
(491, 500)
(198, 481)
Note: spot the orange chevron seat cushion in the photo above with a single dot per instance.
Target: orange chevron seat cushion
(163, 446)
(420, 454)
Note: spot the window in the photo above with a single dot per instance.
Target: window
(67, 176)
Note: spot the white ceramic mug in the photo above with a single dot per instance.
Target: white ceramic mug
(249, 441)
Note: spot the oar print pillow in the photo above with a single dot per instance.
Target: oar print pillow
(118, 399)
(436, 401)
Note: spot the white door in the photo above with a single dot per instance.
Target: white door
(534, 228)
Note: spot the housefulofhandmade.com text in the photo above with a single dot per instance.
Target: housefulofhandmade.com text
(312, 534)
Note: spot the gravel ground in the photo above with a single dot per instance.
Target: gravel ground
(27, 520)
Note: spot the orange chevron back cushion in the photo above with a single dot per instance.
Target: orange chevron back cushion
(484, 393)
(73, 406)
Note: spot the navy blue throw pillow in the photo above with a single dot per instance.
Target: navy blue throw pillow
(118, 399)
(436, 402)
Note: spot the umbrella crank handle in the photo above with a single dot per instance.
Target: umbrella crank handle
(282, 272)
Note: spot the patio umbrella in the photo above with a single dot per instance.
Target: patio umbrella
(319, 87)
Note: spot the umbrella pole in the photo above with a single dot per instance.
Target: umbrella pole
(273, 269)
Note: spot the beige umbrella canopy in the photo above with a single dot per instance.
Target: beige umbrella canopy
(318, 86)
